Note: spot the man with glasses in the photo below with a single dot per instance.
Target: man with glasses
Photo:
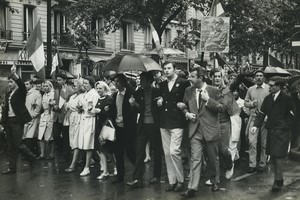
(279, 109)
(253, 100)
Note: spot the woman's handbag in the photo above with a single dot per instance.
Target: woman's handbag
(108, 132)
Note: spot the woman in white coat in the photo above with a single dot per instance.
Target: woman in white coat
(46, 121)
(74, 115)
(86, 136)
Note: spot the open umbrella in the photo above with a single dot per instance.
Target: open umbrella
(166, 50)
(276, 71)
(131, 62)
(293, 83)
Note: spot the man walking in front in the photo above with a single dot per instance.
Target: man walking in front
(201, 109)
(14, 116)
(279, 109)
(253, 100)
(172, 123)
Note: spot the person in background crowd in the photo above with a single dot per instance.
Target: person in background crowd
(45, 135)
(124, 120)
(34, 105)
(61, 132)
(253, 100)
(87, 123)
(38, 85)
(74, 113)
(230, 108)
(144, 101)
(280, 111)
(102, 109)
(172, 123)
(201, 108)
(14, 116)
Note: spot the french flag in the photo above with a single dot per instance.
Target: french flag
(35, 48)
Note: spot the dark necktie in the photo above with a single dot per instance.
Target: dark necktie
(199, 99)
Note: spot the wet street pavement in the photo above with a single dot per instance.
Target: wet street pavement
(48, 181)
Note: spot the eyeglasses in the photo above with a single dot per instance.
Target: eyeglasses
(271, 85)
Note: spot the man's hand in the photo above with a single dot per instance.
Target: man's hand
(253, 129)
(132, 100)
(13, 71)
(160, 102)
(191, 116)
(181, 105)
(204, 95)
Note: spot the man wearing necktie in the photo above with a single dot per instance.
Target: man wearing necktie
(280, 110)
(201, 109)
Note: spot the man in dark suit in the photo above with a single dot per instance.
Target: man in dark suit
(201, 109)
(144, 102)
(172, 123)
(124, 119)
(279, 109)
(14, 116)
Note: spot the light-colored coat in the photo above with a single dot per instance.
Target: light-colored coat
(46, 121)
(74, 119)
(87, 121)
(33, 104)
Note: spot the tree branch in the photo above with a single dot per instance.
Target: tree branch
(171, 17)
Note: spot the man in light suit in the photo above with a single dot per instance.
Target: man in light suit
(201, 109)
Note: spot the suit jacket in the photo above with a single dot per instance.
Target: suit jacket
(139, 96)
(171, 116)
(129, 114)
(17, 104)
(207, 115)
(280, 113)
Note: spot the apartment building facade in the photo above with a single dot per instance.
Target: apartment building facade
(15, 29)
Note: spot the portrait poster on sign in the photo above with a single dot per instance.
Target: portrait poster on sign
(215, 34)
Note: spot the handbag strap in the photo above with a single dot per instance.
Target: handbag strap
(110, 123)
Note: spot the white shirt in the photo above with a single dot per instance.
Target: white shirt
(172, 82)
(119, 105)
(276, 95)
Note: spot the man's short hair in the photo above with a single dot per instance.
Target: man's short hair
(215, 70)
(122, 79)
(279, 81)
(168, 62)
(200, 72)
(28, 80)
(61, 75)
(258, 71)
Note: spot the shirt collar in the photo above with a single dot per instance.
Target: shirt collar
(276, 95)
(203, 87)
(123, 92)
(262, 86)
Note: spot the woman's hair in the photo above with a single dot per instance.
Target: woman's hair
(106, 87)
(49, 84)
(91, 80)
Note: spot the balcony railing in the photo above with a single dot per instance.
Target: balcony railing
(100, 43)
(148, 46)
(127, 46)
(5, 34)
(63, 39)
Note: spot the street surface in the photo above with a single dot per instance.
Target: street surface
(48, 181)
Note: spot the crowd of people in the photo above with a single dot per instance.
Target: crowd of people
(209, 117)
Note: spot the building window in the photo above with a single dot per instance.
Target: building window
(27, 21)
(127, 36)
(148, 38)
(4, 32)
(167, 37)
(97, 26)
(59, 22)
